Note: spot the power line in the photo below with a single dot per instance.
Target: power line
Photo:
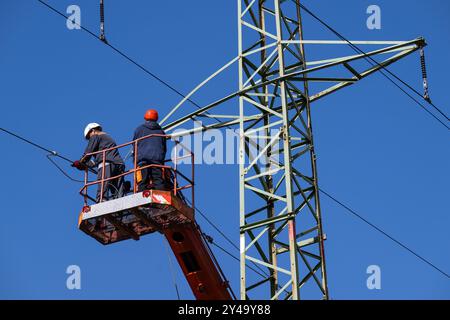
(214, 225)
(165, 83)
(53, 153)
(217, 229)
(354, 213)
(263, 275)
(119, 52)
(348, 209)
(373, 61)
(354, 47)
(50, 153)
(207, 239)
(237, 259)
(172, 271)
(62, 170)
(129, 59)
(224, 236)
(261, 272)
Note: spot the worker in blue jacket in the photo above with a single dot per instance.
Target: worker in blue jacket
(150, 151)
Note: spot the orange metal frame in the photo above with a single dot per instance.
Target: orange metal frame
(194, 256)
(174, 169)
(202, 274)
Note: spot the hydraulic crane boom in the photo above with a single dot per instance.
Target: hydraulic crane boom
(197, 263)
(146, 212)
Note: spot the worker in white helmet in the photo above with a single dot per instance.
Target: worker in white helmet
(114, 165)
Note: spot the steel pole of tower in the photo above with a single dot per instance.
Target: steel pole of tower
(288, 238)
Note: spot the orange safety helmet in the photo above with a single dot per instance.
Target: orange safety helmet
(151, 115)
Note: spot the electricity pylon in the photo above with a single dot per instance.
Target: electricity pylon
(281, 227)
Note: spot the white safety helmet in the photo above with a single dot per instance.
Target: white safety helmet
(89, 127)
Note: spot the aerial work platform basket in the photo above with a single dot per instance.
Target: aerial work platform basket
(169, 212)
(137, 213)
(134, 215)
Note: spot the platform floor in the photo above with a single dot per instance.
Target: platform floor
(133, 216)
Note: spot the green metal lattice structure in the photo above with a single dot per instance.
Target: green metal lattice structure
(281, 228)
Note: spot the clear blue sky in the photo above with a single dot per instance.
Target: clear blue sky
(377, 151)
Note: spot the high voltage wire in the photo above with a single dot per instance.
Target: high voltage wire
(174, 279)
(62, 170)
(373, 62)
(211, 223)
(129, 59)
(261, 272)
(354, 47)
(51, 153)
(54, 153)
(140, 66)
(207, 239)
(217, 229)
(237, 259)
(354, 213)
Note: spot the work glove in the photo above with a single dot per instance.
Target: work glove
(79, 165)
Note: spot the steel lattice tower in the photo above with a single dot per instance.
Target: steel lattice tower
(280, 216)
(287, 188)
